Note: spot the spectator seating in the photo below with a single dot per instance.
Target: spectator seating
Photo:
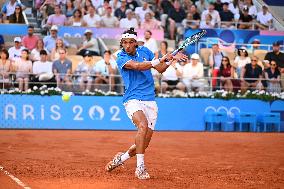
(204, 53)
(268, 119)
(246, 118)
(213, 118)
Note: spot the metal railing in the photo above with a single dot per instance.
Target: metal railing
(115, 83)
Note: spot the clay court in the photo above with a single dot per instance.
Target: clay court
(43, 159)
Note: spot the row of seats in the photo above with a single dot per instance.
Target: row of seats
(243, 121)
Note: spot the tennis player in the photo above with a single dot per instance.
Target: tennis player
(135, 63)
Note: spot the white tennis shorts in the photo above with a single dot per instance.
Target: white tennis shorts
(149, 108)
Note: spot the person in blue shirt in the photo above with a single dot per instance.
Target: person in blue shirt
(135, 63)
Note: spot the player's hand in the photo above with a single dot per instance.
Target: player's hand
(181, 57)
(167, 57)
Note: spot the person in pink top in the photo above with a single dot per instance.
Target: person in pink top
(150, 23)
(30, 41)
(57, 18)
(23, 67)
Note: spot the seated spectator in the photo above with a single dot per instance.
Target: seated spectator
(2, 42)
(132, 4)
(194, 12)
(278, 57)
(245, 20)
(215, 60)
(218, 5)
(59, 44)
(226, 74)
(16, 51)
(103, 9)
(189, 23)
(216, 20)
(121, 11)
(170, 78)
(29, 41)
(5, 68)
(50, 40)
(163, 50)
(193, 74)
(84, 6)
(186, 5)
(129, 21)
(45, 10)
(207, 23)
(150, 23)
(141, 11)
(62, 69)
(9, 8)
(42, 70)
(35, 54)
(251, 7)
(201, 5)
(255, 45)
(264, 19)
(105, 70)
(17, 17)
(251, 76)
(77, 19)
(150, 42)
(92, 19)
(227, 16)
(108, 20)
(57, 18)
(176, 16)
(23, 67)
(90, 44)
(272, 76)
(69, 8)
(115, 4)
(82, 72)
(241, 60)
(234, 8)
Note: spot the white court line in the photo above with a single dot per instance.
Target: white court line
(15, 179)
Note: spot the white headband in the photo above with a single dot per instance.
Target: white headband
(128, 35)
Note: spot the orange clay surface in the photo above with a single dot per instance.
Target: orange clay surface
(76, 159)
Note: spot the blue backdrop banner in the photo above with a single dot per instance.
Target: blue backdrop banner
(93, 112)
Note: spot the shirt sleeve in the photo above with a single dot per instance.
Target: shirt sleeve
(150, 54)
(122, 60)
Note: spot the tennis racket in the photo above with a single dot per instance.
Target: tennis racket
(190, 40)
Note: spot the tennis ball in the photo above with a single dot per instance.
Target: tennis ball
(66, 97)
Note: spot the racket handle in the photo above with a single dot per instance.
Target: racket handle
(175, 52)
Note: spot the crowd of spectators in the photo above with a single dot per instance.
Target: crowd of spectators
(47, 60)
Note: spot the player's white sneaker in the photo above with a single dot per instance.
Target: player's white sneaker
(116, 162)
(141, 173)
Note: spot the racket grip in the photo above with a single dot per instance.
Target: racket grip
(175, 52)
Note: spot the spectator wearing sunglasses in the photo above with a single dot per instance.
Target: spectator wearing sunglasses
(241, 60)
(272, 75)
(251, 76)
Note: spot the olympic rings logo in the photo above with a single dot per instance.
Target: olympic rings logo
(231, 112)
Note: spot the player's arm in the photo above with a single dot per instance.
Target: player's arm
(141, 66)
(167, 60)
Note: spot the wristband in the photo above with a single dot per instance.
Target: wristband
(155, 62)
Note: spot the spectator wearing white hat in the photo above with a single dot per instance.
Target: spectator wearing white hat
(16, 51)
(50, 40)
(129, 21)
(90, 44)
(192, 74)
(241, 60)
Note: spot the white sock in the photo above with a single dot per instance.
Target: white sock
(125, 156)
(140, 159)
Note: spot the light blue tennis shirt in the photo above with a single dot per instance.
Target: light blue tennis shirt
(139, 85)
